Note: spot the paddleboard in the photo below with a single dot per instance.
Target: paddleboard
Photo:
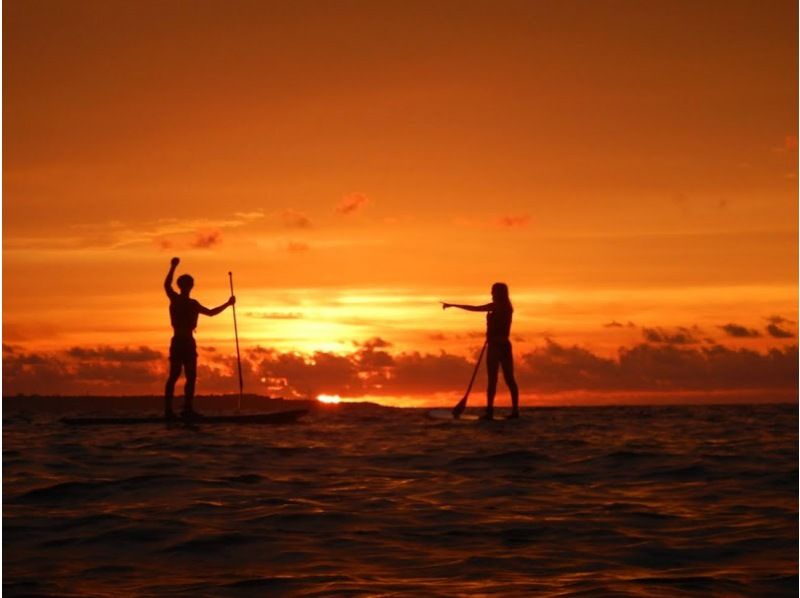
(276, 417)
(447, 414)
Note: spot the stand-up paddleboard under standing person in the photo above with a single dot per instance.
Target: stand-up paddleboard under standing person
(183, 313)
(498, 345)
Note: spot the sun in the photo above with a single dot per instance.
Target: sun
(332, 399)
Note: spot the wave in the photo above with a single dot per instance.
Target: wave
(636, 502)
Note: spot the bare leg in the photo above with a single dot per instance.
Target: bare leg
(190, 368)
(169, 389)
(508, 374)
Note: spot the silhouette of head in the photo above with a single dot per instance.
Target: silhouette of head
(185, 283)
(500, 292)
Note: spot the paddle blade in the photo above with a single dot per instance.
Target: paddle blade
(459, 408)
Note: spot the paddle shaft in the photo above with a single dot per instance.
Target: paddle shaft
(462, 404)
(238, 355)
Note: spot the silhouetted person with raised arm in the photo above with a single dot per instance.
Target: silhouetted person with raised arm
(183, 312)
(498, 345)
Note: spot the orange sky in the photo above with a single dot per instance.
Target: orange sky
(354, 162)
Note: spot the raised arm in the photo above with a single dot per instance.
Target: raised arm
(216, 310)
(168, 280)
(487, 307)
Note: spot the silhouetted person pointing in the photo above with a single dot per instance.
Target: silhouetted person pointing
(498, 354)
(183, 312)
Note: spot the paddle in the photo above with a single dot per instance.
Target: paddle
(462, 404)
(238, 356)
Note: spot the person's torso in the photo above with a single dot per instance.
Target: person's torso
(183, 312)
(498, 323)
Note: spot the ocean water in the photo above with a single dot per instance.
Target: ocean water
(360, 500)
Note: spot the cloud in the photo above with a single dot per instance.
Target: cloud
(647, 367)
(373, 343)
(352, 203)
(371, 368)
(515, 221)
(492, 222)
(83, 371)
(118, 355)
(245, 217)
(614, 324)
(297, 247)
(738, 331)
(779, 320)
(670, 367)
(207, 239)
(275, 315)
(374, 364)
(420, 373)
(681, 336)
(164, 233)
(293, 374)
(556, 366)
(778, 332)
(294, 219)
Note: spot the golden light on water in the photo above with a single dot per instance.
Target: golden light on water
(331, 399)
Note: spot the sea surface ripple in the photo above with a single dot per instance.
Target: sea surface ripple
(360, 500)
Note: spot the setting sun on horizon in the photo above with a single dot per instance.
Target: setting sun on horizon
(628, 169)
(329, 399)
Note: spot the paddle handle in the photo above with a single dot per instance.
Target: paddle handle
(238, 355)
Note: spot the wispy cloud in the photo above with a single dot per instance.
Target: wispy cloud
(679, 336)
(164, 233)
(294, 219)
(275, 315)
(738, 331)
(206, 239)
(492, 222)
(777, 332)
(180, 231)
(297, 247)
(779, 320)
(352, 203)
(513, 221)
(777, 327)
